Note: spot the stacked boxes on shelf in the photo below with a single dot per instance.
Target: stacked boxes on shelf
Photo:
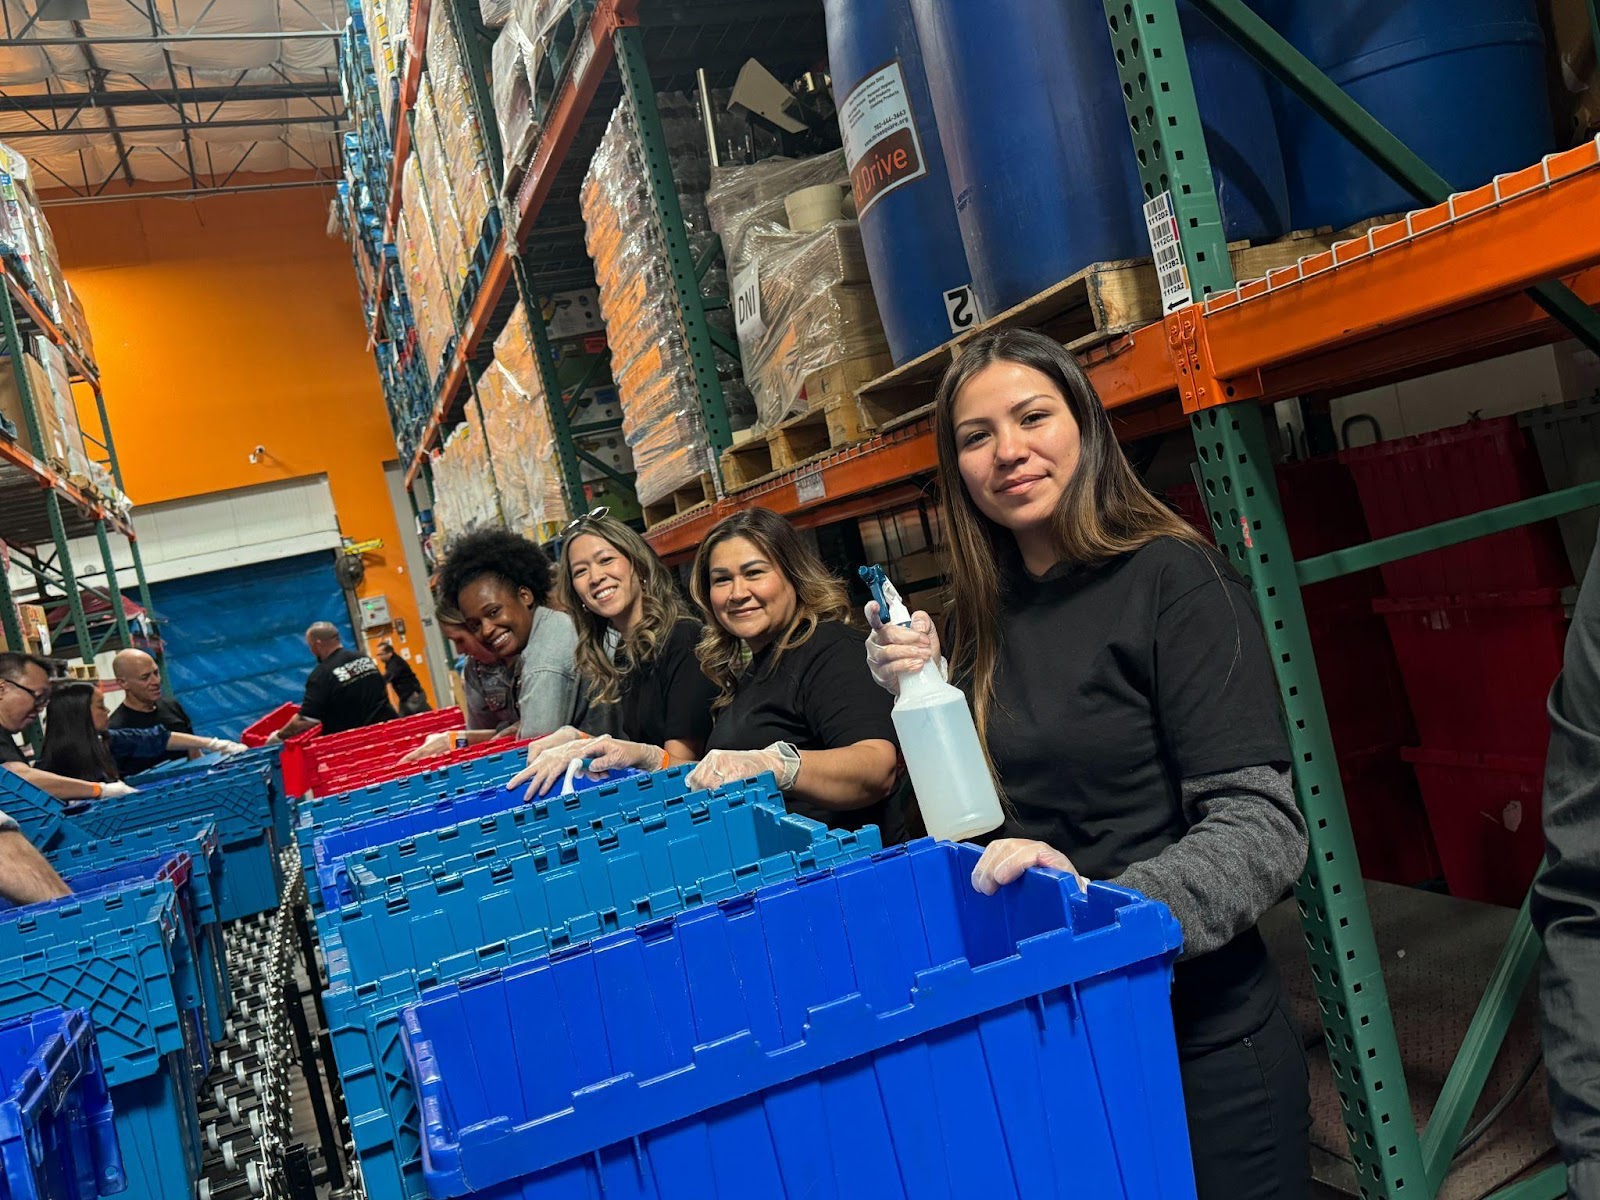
(1362, 686)
(1478, 629)
(812, 298)
(27, 242)
(464, 495)
(421, 263)
(650, 358)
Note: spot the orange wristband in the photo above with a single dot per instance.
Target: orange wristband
(666, 761)
(97, 791)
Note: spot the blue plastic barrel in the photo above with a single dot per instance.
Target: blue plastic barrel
(919, 271)
(1461, 82)
(1030, 111)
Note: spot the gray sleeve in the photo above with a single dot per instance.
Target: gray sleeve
(1245, 845)
(1566, 898)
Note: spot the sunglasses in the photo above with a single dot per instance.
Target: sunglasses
(594, 514)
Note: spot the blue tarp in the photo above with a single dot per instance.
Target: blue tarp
(235, 639)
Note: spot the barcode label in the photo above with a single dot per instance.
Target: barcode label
(1167, 249)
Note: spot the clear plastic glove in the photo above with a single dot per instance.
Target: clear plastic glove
(224, 746)
(893, 650)
(111, 791)
(548, 767)
(436, 744)
(719, 767)
(1004, 860)
(550, 741)
(613, 754)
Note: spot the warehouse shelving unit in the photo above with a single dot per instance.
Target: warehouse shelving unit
(42, 511)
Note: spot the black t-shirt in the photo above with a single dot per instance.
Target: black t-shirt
(669, 698)
(168, 713)
(1114, 683)
(820, 697)
(346, 691)
(397, 672)
(10, 752)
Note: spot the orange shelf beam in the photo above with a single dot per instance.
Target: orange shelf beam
(80, 366)
(18, 457)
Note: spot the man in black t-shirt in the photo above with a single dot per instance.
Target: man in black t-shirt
(144, 707)
(345, 691)
(407, 687)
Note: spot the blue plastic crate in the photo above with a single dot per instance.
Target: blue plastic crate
(172, 775)
(462, 822)
(364, 1019)
(158, 1132)
(661, 860)
(124, 977)
(877, 1030)
(36, 812)
(56, 1136)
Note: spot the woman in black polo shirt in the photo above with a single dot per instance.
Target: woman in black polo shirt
(794, 694)
(619, 592)
(1124, 692)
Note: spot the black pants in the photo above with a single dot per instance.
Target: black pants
(1249, 1116)
(414, 704)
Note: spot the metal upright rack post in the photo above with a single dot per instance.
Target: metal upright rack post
(1240, 493)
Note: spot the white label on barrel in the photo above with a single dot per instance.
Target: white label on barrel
(961, 307)
(1167, 247)
(747, 320)
(881, 147)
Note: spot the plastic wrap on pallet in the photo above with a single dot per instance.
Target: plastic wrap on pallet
(650, 357)
(463, 485)
(494, 13)
(516, 426)
(437, 202)
(512, 91)
(424, 284)
(461, 136)
(26, 238)
(749, 199)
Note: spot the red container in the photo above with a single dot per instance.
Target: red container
(1387, 817)
(255, 736)
(382, 771)
(1486, 816)
(1362, 687)
(1478, 669)
(1408, 483)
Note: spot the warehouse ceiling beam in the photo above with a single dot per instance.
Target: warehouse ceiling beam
(250, 123)
(288, 185)
(100, 99)
(97, 78)
(165, 39)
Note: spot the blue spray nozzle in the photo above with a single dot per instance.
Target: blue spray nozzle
(890, 607)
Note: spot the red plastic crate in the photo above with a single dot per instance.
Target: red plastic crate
(1486, 813)
(255, 736)
(1408, 483)
(1478, 669)
(1392, 834)
(380, 769)
(1362, 686)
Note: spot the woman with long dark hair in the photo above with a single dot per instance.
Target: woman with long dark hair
(636, 649)
(1124, 694)
(79, 740)
(793, 694)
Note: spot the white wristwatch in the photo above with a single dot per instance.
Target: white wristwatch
(791, 764)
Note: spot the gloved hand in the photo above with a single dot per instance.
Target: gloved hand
(224, 746)
(727, 766)
(436, 744)
(613, 754)
(1004, 860)
(893, 651)
(559, 737)
(110, 791)
(547, 767)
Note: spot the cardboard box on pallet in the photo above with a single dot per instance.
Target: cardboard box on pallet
(53, 443)
(516, 425)
(461, 138)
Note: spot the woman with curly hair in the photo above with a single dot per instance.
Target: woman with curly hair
(501, 583)
(794, 696)
(621, 595)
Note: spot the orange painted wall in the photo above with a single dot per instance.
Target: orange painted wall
(231, 322)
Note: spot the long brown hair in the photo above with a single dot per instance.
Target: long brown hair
(818, 595)
(663, 608)
(1104, 511)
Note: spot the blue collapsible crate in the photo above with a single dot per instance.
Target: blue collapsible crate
(662, 859)
(239, 800)
(158, 1132)
(364, 1019)
(57, 1141)
(877, 1030)
(196, 771)
(462, 823)
(37, 813)
(199, 836)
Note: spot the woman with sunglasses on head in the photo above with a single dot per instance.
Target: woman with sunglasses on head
(794, 696)
(1124, 693)
(619, 593)
(489, 690)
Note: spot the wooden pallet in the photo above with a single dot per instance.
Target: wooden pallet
(832, 422)
(702, 489)
(1101, 302)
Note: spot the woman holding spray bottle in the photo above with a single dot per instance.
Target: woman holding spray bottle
(1124, 695)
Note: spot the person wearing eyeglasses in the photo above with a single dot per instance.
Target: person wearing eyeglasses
(25, 690)
(502, 584)
(794, 695)
(621, 595)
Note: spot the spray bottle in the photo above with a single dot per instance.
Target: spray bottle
(938, 739)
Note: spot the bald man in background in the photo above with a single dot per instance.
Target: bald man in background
(346, 690)
(144, 707)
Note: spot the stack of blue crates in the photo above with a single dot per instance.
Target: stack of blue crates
(121, 953)
(482, 879)
(57, 1141)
